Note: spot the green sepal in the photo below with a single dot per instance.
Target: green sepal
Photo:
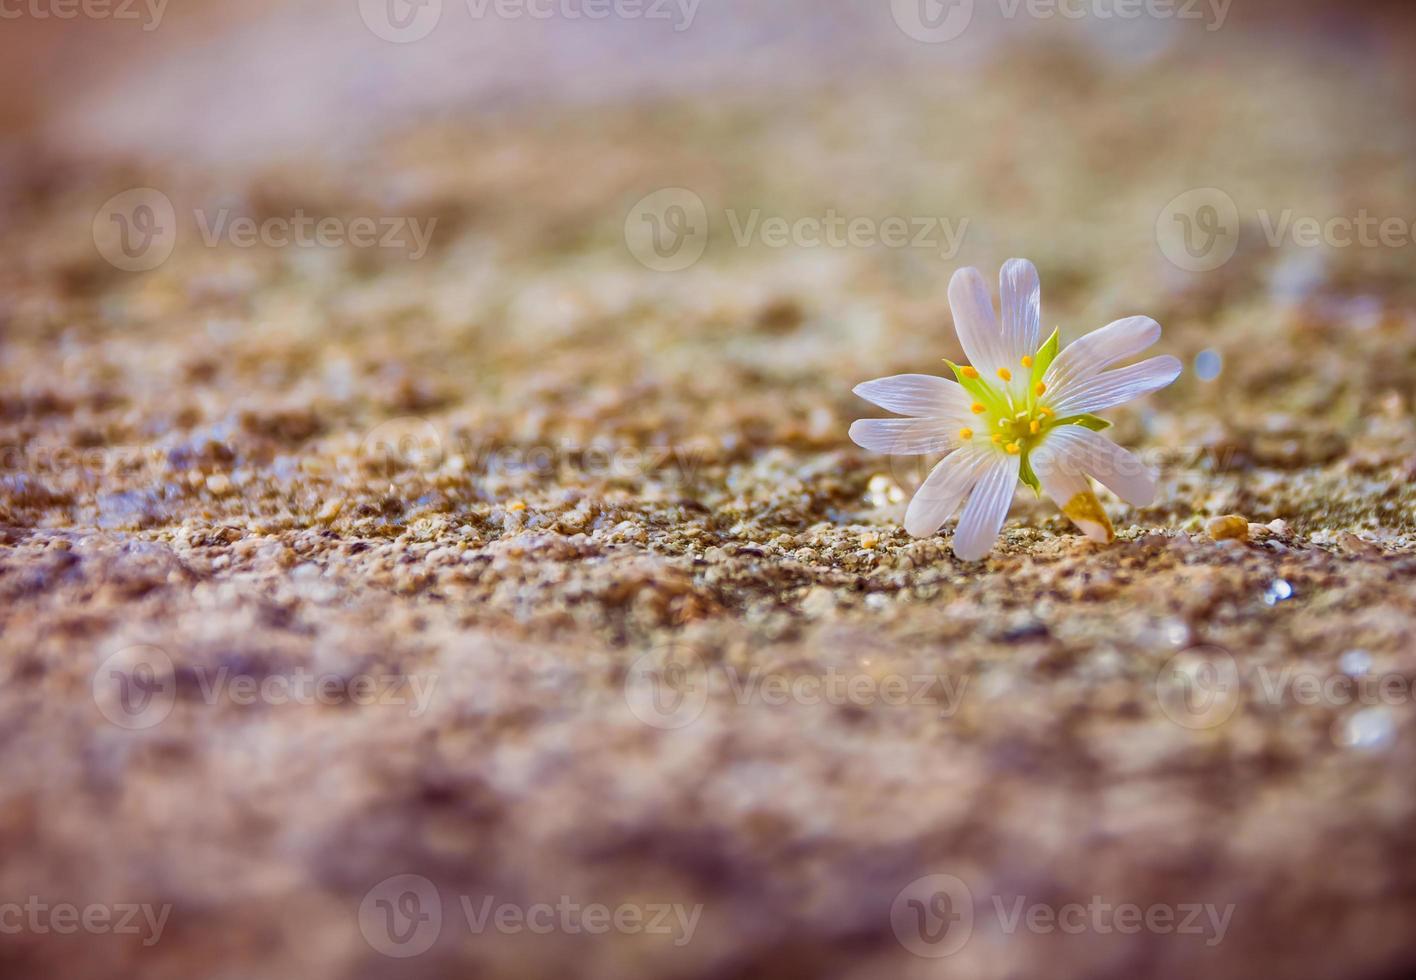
(1094, 422)
(1026, 474)
(1046, 354)
(981, 391)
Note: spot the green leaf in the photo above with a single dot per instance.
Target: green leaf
(1094, 422)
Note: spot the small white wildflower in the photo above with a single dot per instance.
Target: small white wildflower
(1020, 410)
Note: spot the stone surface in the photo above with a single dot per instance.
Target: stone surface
(556, 577)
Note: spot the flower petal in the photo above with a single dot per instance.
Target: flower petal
(1082, 451)
(904, 437)
(975, 321)
(987, 508)
(1057, 463)
(1088, 356)
(1114, 387)
(918, 395)
(939, 496)
(1020, 301)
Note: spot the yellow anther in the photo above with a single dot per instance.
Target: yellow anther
(1033, 426)
(977, 408)
(969, 371)
(966, 434)
(1005, 374)
(997, 437)
(1040, 388)
(1012, 448)
(1027, 361)
(1045, 410)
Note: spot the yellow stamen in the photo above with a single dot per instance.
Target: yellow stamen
(1033, 426)
(966, 434)
(969, 372)
(1005, 374)
(1012, 448)
(997, 437)
(1027, 361)
(1045, 410)
(1040, 388)
(977, 408)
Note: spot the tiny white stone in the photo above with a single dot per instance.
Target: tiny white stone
(1370, 728)
(1354, 663)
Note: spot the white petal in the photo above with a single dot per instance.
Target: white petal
(939, 496)
(904, 437)
(987, 508)
(1059, 469)
(918, 395)
(1088, 356)
(1082, 451)
(1020, 301)
(975, 321)
(1114, 387)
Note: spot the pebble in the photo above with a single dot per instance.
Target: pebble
(1354, 663)
(1230, 527)
(1370, 728)
(1279, 590)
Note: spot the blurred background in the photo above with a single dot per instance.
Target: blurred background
(293, 295)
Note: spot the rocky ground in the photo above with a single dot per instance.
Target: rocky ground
(543, 576)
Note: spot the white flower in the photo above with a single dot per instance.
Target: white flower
(1020, 410)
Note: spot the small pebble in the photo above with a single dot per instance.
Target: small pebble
(1230, 527)
(1279, 590)
(1354, 663)
(1370, 728)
